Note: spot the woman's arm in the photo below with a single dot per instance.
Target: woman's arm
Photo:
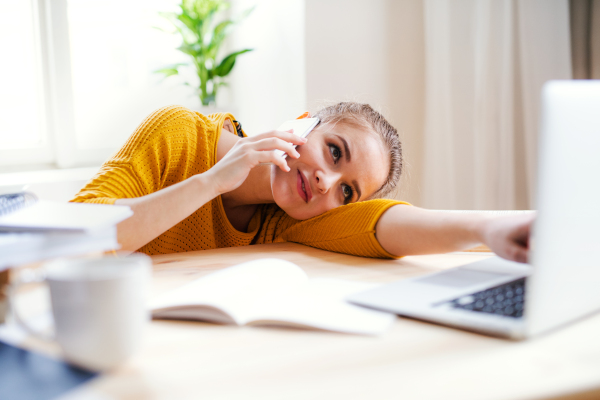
(403, 230)
(157, 212)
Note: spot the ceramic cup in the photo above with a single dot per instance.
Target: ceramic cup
(98, 306)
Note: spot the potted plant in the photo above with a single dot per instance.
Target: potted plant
(203, 29)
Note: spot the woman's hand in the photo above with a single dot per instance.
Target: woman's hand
(508, 237)
(233, 169)
(159, 211)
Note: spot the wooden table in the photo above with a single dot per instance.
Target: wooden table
(414, 360)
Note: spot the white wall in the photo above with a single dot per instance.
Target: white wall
(406, 99)
(371, 52)
(268, 84)
(346, 51)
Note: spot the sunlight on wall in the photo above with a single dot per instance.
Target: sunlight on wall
(115, 48)
(268, 85)
(21, 101)
(372, 54)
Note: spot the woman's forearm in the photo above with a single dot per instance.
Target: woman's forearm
(157, 212)
(405, 230)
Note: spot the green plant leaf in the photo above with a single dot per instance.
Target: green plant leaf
(203, 26)
(185, 33)
(225, 67)
(161, 29)
(219, 34)
(207, 100)
(170, 70)
(222, 26)
(244, 14)
(193, 49)
(171, 16)
(221, 31)
(191, 23)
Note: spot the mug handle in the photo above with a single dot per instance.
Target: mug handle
(26, 276)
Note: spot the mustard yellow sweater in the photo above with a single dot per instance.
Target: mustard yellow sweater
(175, 143)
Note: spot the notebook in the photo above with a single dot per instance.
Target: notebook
(18, 248)
(272, 292)
(33, 230)
(24, 212)
(26, 375)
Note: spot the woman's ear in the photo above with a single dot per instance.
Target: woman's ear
(305, 115)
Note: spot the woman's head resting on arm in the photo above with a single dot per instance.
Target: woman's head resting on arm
(354, 154)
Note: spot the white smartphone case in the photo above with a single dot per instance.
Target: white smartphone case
(302, 127)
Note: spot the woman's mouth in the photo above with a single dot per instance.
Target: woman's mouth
(303, 187)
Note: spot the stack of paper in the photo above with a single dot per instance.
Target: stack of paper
(48, 229)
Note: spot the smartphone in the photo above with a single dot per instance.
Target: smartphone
(302, 127)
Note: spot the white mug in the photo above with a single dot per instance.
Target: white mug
(98, 305)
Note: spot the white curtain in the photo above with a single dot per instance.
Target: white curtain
(486, 61)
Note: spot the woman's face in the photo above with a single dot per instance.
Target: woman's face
(338, 165)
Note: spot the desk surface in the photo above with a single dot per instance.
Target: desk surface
(414, 360)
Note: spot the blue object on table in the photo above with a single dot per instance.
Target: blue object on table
(25, 375)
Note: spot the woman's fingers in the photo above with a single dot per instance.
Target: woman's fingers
(520, 240)
(286, 136)
(233, 169)
(517, 252)
(275, 144)
(263, 157)
(509, 236)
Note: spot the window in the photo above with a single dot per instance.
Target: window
(80, 78)
(23, 127)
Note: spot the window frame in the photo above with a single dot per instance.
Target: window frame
(68, 153)
(59, 145)
(44, 151)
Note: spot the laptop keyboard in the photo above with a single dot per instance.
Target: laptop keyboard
(506, 299)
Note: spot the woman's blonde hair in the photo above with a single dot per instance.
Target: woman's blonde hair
(363, 115)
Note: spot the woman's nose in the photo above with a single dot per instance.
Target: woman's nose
(324, 181)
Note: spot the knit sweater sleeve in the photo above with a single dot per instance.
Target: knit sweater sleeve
(348, 229)
(155, 156)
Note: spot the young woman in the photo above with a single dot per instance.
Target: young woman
(194, 183)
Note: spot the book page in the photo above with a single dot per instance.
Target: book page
(320, 303)
(235, 291)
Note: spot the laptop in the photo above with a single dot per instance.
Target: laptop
(562, 283)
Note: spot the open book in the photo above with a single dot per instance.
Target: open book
(272, 292)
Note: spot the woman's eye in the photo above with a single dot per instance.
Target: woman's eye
(335, 151)
(347, 190)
